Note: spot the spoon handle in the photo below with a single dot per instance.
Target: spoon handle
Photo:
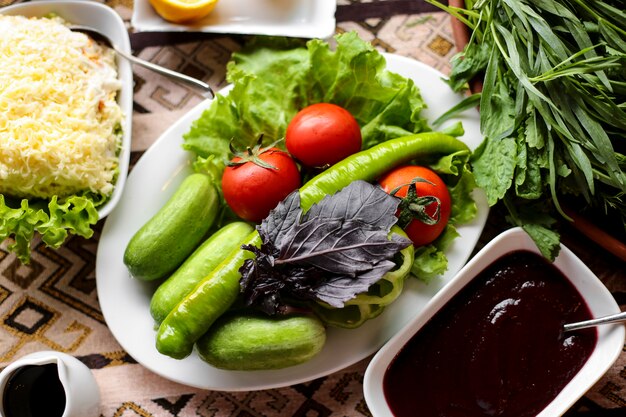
(208, 91)
(613, 318)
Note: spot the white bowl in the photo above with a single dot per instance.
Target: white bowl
(82, 394)
(107, 21)
(599, 300)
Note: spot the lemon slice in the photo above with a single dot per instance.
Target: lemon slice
(181, 11)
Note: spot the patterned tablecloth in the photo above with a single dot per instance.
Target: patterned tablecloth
(53, 303)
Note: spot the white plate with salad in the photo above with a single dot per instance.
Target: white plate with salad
(125, 301)
(298, 18)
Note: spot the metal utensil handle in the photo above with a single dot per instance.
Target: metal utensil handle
(613, 318)
(169, 73)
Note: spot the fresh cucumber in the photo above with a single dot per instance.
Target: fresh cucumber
(247, 342)
(214, 295)
(179, 226)
(201, 262)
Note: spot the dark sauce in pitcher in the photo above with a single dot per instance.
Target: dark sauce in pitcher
(496, 348)
(34, 391)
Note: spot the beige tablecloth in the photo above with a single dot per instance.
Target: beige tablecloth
(53, 303)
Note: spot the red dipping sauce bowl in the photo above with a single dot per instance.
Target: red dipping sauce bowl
(490, 342)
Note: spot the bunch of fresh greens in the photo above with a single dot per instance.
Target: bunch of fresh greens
(553, 106)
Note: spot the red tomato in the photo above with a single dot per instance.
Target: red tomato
(252, 190)
(422, 230)
(322, 134)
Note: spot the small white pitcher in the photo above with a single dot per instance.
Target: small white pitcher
(82, 396)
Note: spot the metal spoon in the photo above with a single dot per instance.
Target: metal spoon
(612, 318)
(100, 37)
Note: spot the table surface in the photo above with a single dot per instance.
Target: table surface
(52, 303)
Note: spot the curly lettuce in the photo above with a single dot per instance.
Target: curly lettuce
(274, 78)
(53, 219)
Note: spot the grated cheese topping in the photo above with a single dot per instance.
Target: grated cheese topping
(60, 123)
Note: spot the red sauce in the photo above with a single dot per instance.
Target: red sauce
(497, 348)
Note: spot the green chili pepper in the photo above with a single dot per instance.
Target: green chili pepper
(193, 316)
(370, 164)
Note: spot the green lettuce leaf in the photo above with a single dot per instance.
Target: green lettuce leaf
(430, 261)
(54, 220)
(274, 78)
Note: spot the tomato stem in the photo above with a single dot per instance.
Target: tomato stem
(251, 155)
(413, 207)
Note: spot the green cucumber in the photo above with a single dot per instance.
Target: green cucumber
(214, 295)
(170, 236)
(248, 342)
(201, 262)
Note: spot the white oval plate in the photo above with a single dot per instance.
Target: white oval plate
(125, 301)
(597, 296)
(296, 18)
(107, 21)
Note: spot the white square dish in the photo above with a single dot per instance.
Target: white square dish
(107, 21)
(610, 338)
(293, 18)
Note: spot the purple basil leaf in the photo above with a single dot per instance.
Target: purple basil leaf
(359, 201)
(340, 289)
(337, 250)
(339, 246)
(282, 218)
